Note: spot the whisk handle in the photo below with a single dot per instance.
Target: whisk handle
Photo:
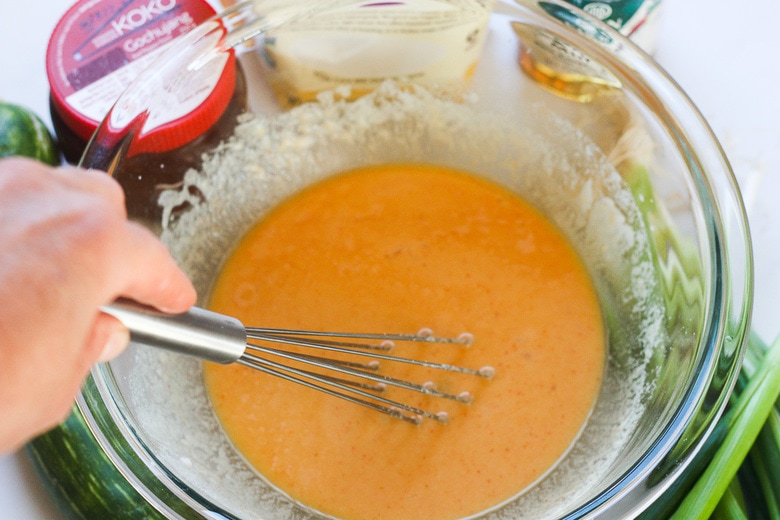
(197, 332)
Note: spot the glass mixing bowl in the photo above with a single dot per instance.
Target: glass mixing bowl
(559, 108)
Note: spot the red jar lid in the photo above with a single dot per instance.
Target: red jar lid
(99, 46)
(192, 104)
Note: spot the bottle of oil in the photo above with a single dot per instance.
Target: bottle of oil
(564, 69)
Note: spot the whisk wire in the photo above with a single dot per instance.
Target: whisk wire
(463, 339)
(345, 348)
(392, 408)
(379, 378)
(386, 346)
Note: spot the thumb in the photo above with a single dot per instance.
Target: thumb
(108, 339)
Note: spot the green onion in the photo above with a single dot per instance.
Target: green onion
(730, 506)
(736, 474)
(752, 409)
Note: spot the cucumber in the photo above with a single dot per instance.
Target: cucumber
(79, 476)
(22, 133)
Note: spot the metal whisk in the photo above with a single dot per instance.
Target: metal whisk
(224, 339)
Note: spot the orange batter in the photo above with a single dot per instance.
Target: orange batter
(394, 249)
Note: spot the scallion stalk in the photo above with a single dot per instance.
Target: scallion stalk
(753, 408)
(730, 506)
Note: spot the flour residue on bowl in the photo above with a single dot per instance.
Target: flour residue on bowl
(541, 157)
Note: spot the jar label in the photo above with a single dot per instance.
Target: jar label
(100, 46)
(623, 15)
(172, 93)
(633, 18)
(362, 44)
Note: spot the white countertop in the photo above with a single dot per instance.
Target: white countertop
(723, 54)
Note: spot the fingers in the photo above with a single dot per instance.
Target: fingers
(72, 223)
(109, 337)
(19, 173)
(95, 182)
(149, 276)
(154, 278)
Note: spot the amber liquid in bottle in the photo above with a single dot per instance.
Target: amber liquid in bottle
(562, 68)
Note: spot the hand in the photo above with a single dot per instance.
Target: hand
(66, 248)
